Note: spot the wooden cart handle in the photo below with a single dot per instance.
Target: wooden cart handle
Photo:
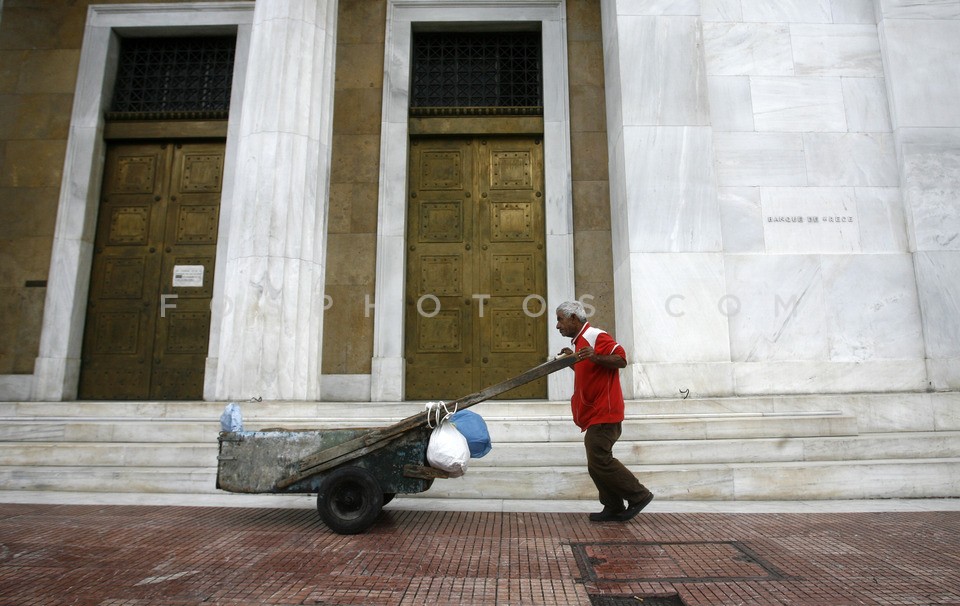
(375, 439)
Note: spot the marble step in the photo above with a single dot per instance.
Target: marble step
(544, 429)
(910, 411)
(875, 479)
(397, 410)
(928, 445)
(889, 478)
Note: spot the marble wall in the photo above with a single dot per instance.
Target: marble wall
(783, 229)
(921, 43)
(784, 183)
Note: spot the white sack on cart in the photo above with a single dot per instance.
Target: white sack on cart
(448, 450)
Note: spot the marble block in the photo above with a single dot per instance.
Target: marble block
(345, 388)
(810, 219)
(747, 49)
(659, 7)
(944, 374)
(386, 379)
(779, 305)
(853, 11)
(15, 387)
(931, 184)
(388, 306)
(678, 305)
(792, 11)
(836, 50)
(275, 302)
(741, 219)
(671, 190)
(894, 412)
(946, 408)
(882, 224)
(855, 480)
(938, 284)
(755, 159)
(664, 81)
(730, 106)
(865, 103)
(871, 307)
(911, 9)
(623, 287)
(851, 159)
(654, 380)
(923, 74)
(801, 104)
(721, 10)
(806, 377)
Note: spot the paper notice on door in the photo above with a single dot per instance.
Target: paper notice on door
(188, 276)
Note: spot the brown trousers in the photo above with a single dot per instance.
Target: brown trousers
(614, 481)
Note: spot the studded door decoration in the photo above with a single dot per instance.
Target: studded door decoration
(476, 270)
(148, 314)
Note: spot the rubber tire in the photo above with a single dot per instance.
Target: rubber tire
(349, 500)
(388, 496)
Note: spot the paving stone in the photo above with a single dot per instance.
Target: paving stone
(125, 555)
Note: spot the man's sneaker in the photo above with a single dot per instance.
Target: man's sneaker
(607, 515)
(634, 508)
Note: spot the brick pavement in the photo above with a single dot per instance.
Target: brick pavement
(110, 555)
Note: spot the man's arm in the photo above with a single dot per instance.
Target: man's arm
(614, 360)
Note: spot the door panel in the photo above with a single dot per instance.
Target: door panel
(190, 241)
(475, 255)
(158, 215)
(440, 274)
(512, 250)
(122, 305)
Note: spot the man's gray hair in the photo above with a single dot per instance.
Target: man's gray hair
(573, 308)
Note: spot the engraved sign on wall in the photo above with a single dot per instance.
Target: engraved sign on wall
(810, 220)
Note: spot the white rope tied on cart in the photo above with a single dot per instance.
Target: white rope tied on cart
(437, 413)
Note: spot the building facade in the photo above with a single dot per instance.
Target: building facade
(755, 196)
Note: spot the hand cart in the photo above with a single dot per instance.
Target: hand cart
(353, 471)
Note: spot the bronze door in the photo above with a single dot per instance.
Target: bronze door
(476, 268)
(148, 313)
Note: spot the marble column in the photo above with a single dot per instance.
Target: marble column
(920, 43)
(273, 295)
(668, 264)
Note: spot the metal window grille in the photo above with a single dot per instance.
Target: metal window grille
(174, 78)
(476, 73)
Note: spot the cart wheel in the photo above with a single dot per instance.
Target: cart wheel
(388, 496)
(349, 500)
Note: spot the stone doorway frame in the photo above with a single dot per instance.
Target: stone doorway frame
(387, 369)
(57, 368)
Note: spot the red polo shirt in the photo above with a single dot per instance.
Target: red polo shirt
(597, 396)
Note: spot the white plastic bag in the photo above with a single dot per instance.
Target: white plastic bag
(448, 450)
(231, 419)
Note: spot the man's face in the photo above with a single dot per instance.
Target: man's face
(568, 326)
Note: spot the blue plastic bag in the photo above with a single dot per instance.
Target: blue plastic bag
(474, 429)
(231, 419)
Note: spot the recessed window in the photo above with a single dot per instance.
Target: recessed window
(477, 72)
(169, 77)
